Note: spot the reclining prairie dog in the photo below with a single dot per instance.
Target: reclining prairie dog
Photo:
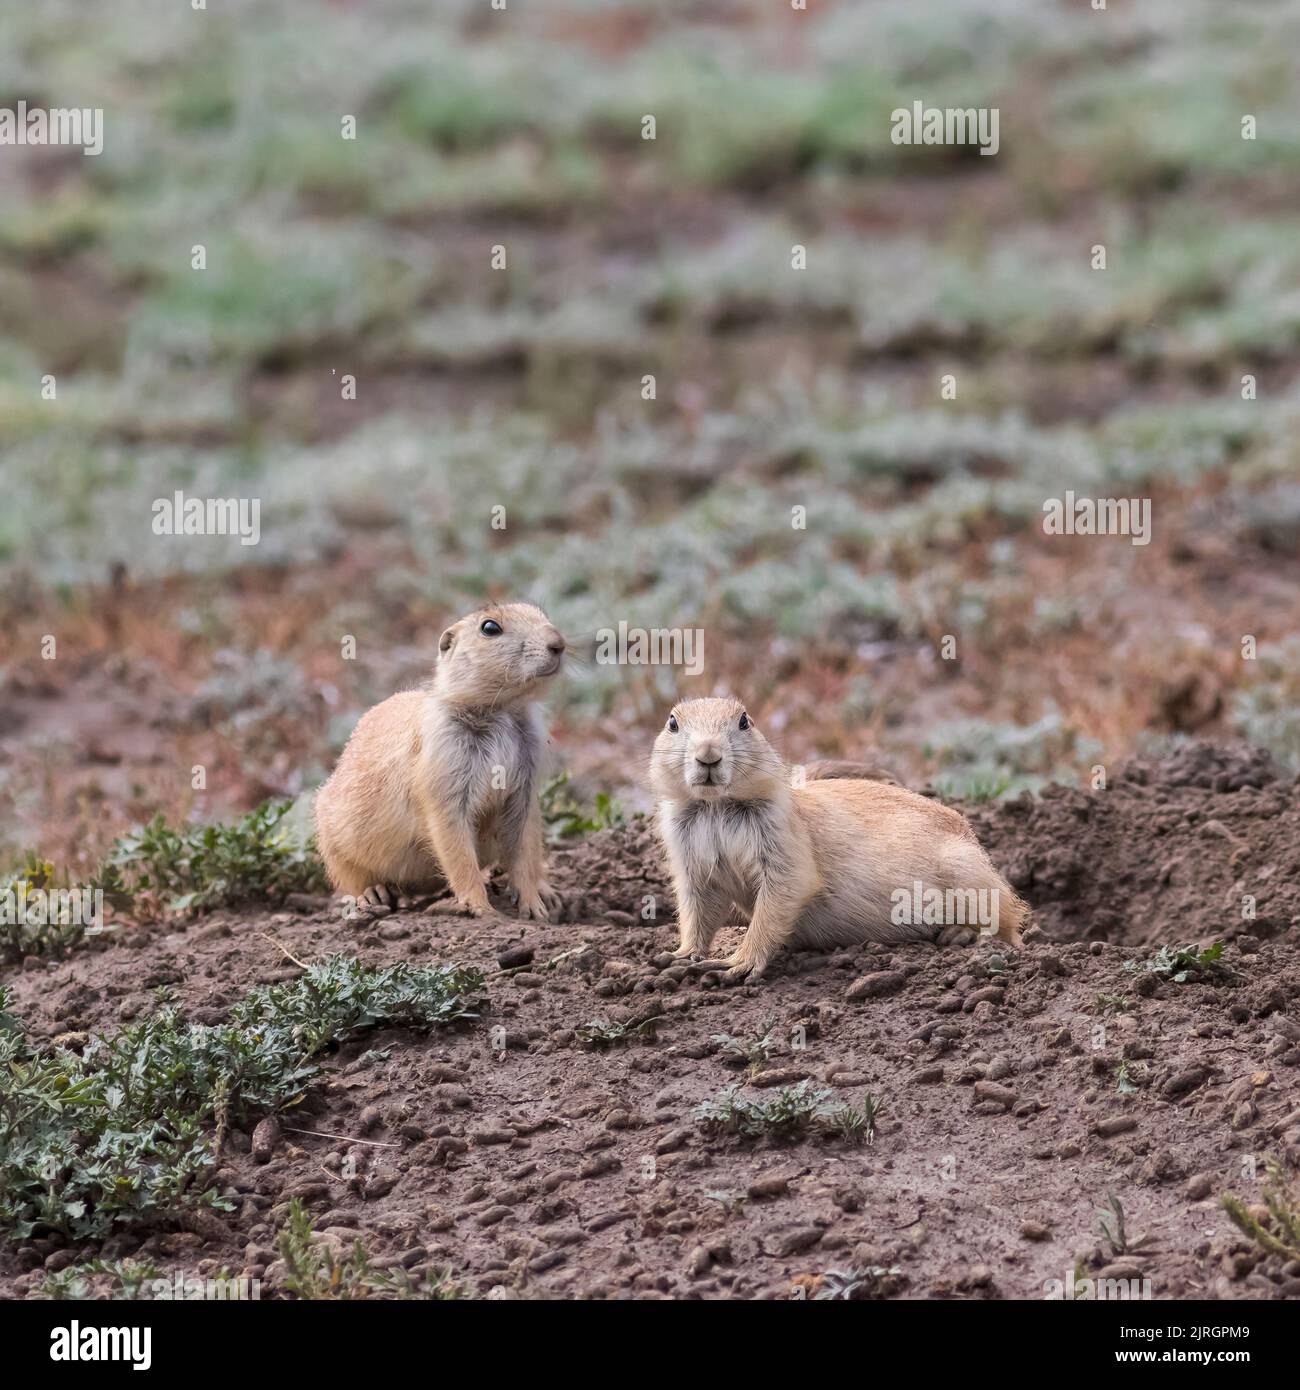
(833, 863)
(437, 784)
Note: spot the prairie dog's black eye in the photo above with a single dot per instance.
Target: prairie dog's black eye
(489, 627)
(673, 725)
(744, 721)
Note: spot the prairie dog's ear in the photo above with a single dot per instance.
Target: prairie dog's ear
(446, 640)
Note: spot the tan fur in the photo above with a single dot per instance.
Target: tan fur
(835, 767)
(437, 784)
(816, 865)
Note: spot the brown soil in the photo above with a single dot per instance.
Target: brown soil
(531, 1164)
(1169, 853)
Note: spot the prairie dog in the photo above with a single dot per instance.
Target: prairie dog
(437, 784)
(835, 862)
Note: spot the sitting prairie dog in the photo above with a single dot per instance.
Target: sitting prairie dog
(836, 862)
(437, 784)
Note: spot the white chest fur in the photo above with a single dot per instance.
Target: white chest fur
(483, 759)
(719, 844)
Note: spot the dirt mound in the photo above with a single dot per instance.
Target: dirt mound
(556, 1148)
(1169, 851)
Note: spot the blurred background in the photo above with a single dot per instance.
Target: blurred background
(478, 388)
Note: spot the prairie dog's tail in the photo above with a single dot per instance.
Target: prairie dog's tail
(1013, 912)
(966, 866)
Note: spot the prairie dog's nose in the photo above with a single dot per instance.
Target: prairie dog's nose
(555, 641)
(707, 754)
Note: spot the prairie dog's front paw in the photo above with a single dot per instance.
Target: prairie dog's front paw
(737, 968)
(693, 942)
(697, 954)
(541, 905)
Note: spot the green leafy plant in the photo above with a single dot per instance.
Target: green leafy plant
(127, 1280)
(199, 867)
(1114, 1230)
(1124, 1074)
(1180, 963)
(1108, 1004)
(1281, 1236)
(856, 1284)
(118, 1135)
(753, 1051)
(856, 1124)
(787, 1114)
(340, 996)
(314, 1270)
(25, 933)
(566, 818)
(600, 1033)
(978, 786)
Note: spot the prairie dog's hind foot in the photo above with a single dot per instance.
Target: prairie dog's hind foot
(956, 935)
(376, 901)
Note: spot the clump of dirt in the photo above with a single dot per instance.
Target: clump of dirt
(554, 1148)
